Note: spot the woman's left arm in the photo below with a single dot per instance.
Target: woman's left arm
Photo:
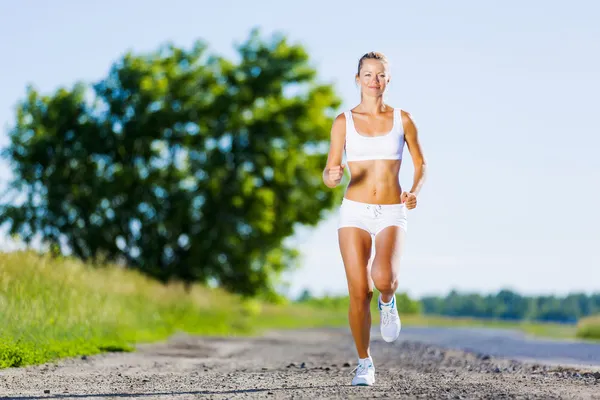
(414, 147)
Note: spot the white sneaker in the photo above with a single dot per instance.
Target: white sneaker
(389, 320)
(365, 373)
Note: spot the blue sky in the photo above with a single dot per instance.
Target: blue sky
(504, 94)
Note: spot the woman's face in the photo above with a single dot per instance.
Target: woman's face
(374, 78)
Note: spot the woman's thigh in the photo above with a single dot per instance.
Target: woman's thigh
(355, 246)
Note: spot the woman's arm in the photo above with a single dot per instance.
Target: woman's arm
(334, 170)
(414, 147)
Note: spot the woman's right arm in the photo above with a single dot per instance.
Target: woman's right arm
(334, 170)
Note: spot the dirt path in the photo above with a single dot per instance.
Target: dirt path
(311, 364)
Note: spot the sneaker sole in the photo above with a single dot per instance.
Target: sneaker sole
(363, 384)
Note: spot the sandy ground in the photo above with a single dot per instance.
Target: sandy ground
(310, 364)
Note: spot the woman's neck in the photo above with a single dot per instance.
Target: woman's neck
(373, 105)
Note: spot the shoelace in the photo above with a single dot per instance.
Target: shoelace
(387, 317)
(362, 369)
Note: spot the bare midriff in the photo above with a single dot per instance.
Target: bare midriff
(374, 181)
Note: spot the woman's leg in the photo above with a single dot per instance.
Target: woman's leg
(355, 246)
(389, 246)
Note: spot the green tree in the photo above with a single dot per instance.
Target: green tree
(510, 305)
(180, 163)
(406, 305)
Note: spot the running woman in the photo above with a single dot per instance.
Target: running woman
(374, 207)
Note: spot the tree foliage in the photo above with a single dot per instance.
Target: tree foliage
(180, 163)
(404, 303)
(509, 305)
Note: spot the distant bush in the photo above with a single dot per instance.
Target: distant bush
(404, 303)
(589, 328)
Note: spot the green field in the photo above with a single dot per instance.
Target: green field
(52, 308)
(56, 308)
(588, 328)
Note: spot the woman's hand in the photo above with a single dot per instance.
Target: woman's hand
(336, 174)
(409, 199)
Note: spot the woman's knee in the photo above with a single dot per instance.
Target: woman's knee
(361, 297)
(384, 275)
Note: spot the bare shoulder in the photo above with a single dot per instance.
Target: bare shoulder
(339, 125)
(407, 118)
(408, 122)
(340, 118)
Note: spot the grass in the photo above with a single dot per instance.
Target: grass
(54, 308)
(411, 317)
(589, 328)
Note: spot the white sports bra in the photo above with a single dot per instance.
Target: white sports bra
(382, 147)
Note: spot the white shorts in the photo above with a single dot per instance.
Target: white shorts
(372, 217)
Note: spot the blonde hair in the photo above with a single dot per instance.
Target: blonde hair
(372, 55)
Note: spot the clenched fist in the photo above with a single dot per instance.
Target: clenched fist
(336, 174)
(409, 199)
